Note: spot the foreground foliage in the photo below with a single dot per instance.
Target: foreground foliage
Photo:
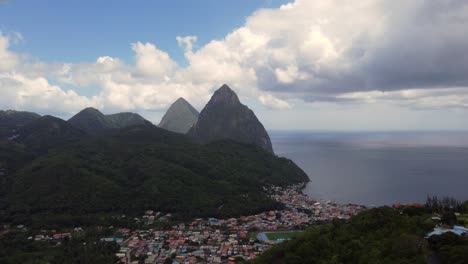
(380, 235)
(17, 248)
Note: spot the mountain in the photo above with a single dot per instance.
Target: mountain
(93, 122)
(225, 117)
(146, 167)
(47, 132)
(121, 120)
(34, 139)
(180, 117)
(90, 120)
(11, 120)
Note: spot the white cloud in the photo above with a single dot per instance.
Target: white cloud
(272, 102)
(8, 60)
(306, 50)
(152, 61)
(289, 75)
(186, 42)
(37, 94)
(414, 98)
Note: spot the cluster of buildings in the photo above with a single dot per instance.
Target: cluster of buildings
(42, 235)
(223, 240)
(212, 240)
(46, 237)
(318, 210)
(215, 240)
(187, 246)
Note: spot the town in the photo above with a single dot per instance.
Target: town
(215, 240)
(212, 240)
(225, 240)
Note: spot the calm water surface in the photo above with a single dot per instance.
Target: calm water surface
(379, 168)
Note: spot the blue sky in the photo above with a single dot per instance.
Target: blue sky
(77, 31)
(299, 64)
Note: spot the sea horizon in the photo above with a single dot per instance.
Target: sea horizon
(379, 167)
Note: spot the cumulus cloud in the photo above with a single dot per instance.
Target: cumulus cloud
(414, 51)
(321, 48)
(272, 102)
(22, 85)
(8, 60)
(20, 92)
(152, 61)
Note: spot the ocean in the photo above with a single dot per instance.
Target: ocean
(379, 168)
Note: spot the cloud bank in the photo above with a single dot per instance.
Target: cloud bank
(409, 53)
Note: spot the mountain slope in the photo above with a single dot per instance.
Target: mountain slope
(121, 120)
(180, 117)
(11, 120)
(225, 117)
(93, 122)
(90, 120)
(148, 167)
(47, 132)
(30, 141)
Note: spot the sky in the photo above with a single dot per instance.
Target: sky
(299, 64)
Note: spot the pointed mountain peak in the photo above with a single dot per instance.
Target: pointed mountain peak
(181, 100)
(225, 117)
(180, 117)
(225, 88)
(225, 95)
(182, 103)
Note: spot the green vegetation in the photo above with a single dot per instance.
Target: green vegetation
(122, 120)
(463, 219)
(93, 122)
(12, 120)
(13, 156)
(143, 168)
(16, 248)
(445, 204)
(380, 235)
(451, 249)
(55, 176)
(451, 210)
(375, 236)
(47, 132)
(282, 235)
(253, 235)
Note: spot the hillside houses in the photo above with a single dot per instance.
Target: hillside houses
(215, 240)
